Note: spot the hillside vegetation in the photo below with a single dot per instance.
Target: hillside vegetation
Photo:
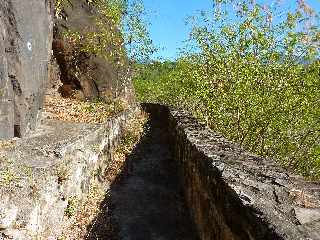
(251, 72)
(120, 31)
(93, 44)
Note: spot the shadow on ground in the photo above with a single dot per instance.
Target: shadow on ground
(145, 201)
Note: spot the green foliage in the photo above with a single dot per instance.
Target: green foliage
(135, 31)
(120, 31)
(59, 4)
(102, 107)
(253, 78)
(71, 209)
(7, 177)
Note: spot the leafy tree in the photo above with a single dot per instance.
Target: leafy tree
(253, 77)
(121, 31)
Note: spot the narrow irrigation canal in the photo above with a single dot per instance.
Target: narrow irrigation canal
(146, 201)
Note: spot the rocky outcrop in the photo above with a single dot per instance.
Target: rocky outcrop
(91, 72)
(25, 50)
(233, 194)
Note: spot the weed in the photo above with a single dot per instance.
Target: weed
(72, 207)
(7, 177)
(62, 173)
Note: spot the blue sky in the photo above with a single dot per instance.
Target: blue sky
(167, 18)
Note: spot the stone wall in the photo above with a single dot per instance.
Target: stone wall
(233, 194)
(25, 50)
(41, 174)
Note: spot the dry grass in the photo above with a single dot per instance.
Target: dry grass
(132, 135)
(304, 199)
(77, 228)
(74, 110)
(7, 144)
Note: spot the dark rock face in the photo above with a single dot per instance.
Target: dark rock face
(25, 50)
(88, 72)
(54, 76)
(233, 194)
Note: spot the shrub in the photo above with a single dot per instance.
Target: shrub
(252, 77)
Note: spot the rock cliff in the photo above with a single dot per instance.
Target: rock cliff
(85, 46)
(25, 51)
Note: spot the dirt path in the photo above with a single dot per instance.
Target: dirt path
(145, 202)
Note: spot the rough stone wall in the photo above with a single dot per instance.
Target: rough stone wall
(25, 50)
(233, 194)
(53, 169)
(6, 89)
